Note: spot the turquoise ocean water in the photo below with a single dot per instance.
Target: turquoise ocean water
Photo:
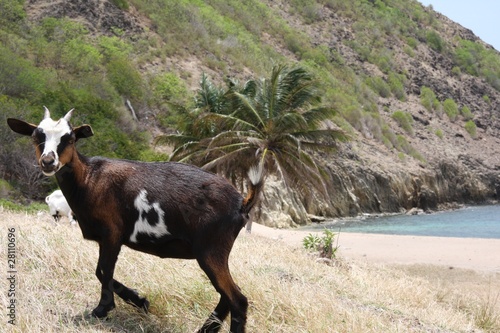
(473, 222)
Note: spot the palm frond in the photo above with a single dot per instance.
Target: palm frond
(316, 116)
(290, 122)
(300, 171)
(188, 152)
(326, 136)
(234, 157)
(209, 97)
(173, 139)
(246, 111)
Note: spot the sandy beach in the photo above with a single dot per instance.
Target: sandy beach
(482, 255)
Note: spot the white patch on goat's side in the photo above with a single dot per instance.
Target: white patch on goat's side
(142, 225)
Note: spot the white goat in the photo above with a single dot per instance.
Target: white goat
(58, 206)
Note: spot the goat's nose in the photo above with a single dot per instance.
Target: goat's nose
(47, 160)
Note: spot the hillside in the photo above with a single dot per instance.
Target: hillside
(419, 94)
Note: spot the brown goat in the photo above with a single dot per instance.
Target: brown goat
(166, 209)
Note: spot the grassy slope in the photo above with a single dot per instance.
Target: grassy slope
(288, 290)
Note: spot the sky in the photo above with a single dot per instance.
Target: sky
(480, 16)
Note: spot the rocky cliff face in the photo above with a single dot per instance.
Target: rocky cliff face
(454, 167)
(361, 186)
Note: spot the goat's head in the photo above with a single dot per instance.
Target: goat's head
(54, 140)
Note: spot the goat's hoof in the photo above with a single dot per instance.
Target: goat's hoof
(145, 305)
(102, 311)
(140, 302)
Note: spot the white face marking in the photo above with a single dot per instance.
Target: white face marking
(53, 130)
(142, 225)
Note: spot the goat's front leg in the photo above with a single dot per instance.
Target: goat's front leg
(128, 295)
(108, 255)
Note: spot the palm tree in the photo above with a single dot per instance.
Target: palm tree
(277, 123)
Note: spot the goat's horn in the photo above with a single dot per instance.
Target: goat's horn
(47, 112)
(67, 117)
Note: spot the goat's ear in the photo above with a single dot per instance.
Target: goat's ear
(83, 132)
(21, 127)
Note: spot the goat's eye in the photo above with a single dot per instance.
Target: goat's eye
(38, 136)
(67, 139)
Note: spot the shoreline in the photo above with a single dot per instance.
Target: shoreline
(478, 254)
(443, 208)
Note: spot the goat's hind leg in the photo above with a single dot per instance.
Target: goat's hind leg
(214, 321)
(232, 300)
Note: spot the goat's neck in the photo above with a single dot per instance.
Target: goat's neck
(72, 176)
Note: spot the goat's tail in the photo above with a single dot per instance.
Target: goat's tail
(255, 186)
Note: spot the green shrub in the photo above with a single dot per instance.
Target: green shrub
(18, 77)
(169, 87)
(362, 49)
(475, 59)
(323, 245)
(456, 71)
(471, 128)
(125, 78)
(311, 242)
(78, 56)
(412, 42)
(428, 99)
(451, 109)
(466, 113)
(396, 83)
(60, 31)
(389, 138)
(439, 133)
(467, 57)
(114, 47)
(295, 44)
(379, 86)
(311, 13)
(318, 54)
(435, 41)
(403, 144)
(12, 14)
(382, 58)
(493, 78)
(404, 120)
(409, 51)
(122, 4)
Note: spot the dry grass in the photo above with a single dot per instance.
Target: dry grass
(287, 289)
